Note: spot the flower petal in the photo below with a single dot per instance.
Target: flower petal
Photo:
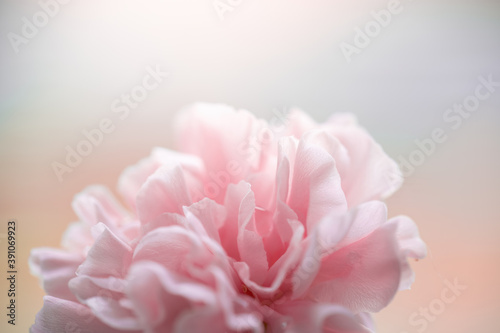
(410, 244)
(173, 247)
(96, 204)
(160, 295)
(370, 174)
(168, 188)
(109, 256)
(232, 144)
(324, 238)
(55, 268)
(319, 318)
(62, 316)
(134, 177)
(210, 216)
(316, 187)
(103, 296)
(363, 276)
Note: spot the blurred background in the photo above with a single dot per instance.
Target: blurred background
(64, 75)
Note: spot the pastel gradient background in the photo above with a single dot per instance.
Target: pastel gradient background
(263, 56)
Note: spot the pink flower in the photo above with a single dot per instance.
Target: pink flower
(250, 227)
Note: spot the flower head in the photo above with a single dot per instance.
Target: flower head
(249, 227)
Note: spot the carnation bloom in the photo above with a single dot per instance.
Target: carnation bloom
(249, 227)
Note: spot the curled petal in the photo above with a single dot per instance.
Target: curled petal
(410, 245)
(366, 171)
(134, 177)
(96, 204)
(103, 296)
(276, 277)
(55, 268)
(168, 188)
(62, 316)
(370, 174)
(315, 188)
(77, 238)
(174, 247)
(109, 256)
(209, 217)
(159, 295)
(325, 236)
(319, 318)
(363, 276)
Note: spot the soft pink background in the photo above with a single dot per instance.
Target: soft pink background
(261, 57)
